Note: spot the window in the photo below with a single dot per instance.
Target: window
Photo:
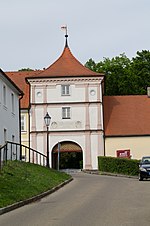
(12, 103)
(65, 90)
(5, 135)
(23, 123)
(13, 138)
(66, 113)
(4, 95)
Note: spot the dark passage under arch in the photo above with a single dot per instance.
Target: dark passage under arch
(70, 156)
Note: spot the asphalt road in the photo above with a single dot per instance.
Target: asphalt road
(89, 200)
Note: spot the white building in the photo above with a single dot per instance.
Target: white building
(72, 95)
(9, 110)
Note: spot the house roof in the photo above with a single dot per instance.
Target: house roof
(126, 115)
(67, 65)
(20, 92)
(18, 77)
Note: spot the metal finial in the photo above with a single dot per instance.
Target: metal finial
(66, 34)
(66, 45)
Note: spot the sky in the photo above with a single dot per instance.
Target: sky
(31, 35)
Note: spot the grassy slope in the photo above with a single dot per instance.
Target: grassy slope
(20, 180)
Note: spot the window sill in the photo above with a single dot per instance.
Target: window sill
(23, 131)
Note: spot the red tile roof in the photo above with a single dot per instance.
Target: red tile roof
(67, 65)
(20, 92)
(127, 115)
(18, 77)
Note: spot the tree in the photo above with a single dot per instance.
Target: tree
(117, 74)
(124, 76)
(92, 65)
(141, 68)
(26, 69)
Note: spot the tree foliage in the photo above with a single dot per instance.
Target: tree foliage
(141, 67)
(124, 76)
(26, 69)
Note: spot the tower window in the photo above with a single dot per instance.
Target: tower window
(65, 90)
(66, 113)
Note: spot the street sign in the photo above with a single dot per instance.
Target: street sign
(123, 154)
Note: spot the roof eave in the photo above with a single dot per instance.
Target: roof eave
(20, 92)
(64, 76)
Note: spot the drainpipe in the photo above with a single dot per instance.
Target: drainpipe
(29, 123)
(29, 113)
(103, 93)
(20, 125)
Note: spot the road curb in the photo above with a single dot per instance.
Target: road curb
(33, 199)
(109, 174)
(118, 175)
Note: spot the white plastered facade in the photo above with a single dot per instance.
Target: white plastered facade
(9, 111)
(85, 125)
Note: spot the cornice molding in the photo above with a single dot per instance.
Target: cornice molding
(64, 80)
(71, 131)
(68, 103)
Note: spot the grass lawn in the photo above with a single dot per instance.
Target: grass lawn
(20, 180)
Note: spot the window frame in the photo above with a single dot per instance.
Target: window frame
(4, 95)
(13, 103)
(23, 123)
(5, 135)
(65, 90)
(66, 113)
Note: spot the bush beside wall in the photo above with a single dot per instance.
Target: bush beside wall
(118, 165)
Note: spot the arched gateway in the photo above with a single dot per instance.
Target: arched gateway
(68, 155)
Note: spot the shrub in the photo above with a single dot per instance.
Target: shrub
(118, 165)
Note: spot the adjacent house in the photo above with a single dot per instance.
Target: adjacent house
(10, 96)
(127, 125)
(18, 77)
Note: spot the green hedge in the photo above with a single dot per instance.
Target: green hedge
(118, 165)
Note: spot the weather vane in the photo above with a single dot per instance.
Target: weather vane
(64, 28)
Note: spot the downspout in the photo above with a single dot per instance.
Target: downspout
(103, 93)
(22, 94)
(29, 123)
(29, 107)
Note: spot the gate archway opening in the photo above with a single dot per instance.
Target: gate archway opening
(70, 156)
